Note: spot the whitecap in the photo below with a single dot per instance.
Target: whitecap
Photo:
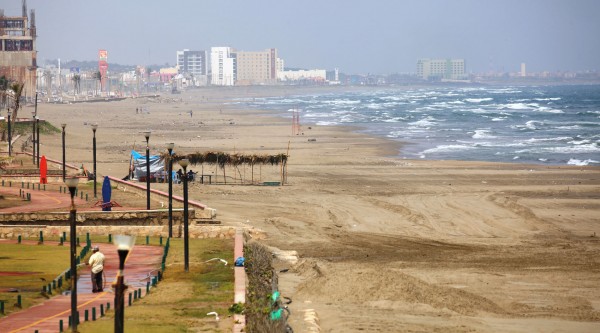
(479, 100)
(516, 106)
(579, 142)
(447, 148)
(327, 123)
(425, 122)
(549, 110)
(548, 99)
(560, 138)
(482, 134)
(574, 161)
(531, 124)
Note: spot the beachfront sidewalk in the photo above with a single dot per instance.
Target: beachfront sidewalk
(142, 264)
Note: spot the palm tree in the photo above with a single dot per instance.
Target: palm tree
(17, 89)
(3, 88)
(98, 76)
(76, 84)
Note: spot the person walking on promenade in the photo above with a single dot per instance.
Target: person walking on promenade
(96, 262)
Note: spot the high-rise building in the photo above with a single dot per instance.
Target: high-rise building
(523, 70)
(17, 49)
(192, 62)
(256, 67)
(222, 66)
(437, 69)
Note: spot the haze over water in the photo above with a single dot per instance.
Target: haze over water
(545, 125)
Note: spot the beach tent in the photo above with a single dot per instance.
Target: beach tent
(158, 171)
(138, 161)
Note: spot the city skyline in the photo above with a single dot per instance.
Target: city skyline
(377, 38)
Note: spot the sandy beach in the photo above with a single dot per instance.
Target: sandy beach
(383, 244)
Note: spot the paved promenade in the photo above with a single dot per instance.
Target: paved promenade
(142, 262)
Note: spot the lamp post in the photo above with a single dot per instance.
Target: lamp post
(37, 124)
(94, 128)
(9, 135)
(124, 245)
(186, 246)
(64, 171)
(170, 178)
(147, 136)
(33, 133)
(72, 185)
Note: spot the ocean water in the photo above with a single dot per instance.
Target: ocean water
(557, 125)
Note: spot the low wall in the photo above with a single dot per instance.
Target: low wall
(98, 218)
(195, 231)
(201, 211)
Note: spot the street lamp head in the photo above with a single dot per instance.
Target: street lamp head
(170, 145)
(184, 163)
(63, 125)
(124, 242)
(72, 182)
(94, 127)
(147, 134)
(9, 112)
(72, 185)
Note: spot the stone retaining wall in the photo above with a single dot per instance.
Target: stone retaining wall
(98, 218)
(195, 231)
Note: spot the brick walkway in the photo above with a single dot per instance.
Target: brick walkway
(40, 200)
(143, 262)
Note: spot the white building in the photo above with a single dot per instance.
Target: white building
(314, 75)
(523, 70)
(222, 66)
(448, 69)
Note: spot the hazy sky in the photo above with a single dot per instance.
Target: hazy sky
(370, 36)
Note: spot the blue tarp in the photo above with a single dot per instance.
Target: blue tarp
(157, 167)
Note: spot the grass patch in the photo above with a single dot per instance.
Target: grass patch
(182, 300)
(41, 263)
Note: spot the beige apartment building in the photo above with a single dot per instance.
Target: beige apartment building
(255, 67)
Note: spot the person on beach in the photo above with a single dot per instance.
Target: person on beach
(97, 263)
(190, 175)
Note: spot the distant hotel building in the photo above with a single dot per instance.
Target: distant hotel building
(312, 75)
(194, 63)
(17, 49)
(255, 67)
(438, 69)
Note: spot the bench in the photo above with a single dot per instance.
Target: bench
(271, 183)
